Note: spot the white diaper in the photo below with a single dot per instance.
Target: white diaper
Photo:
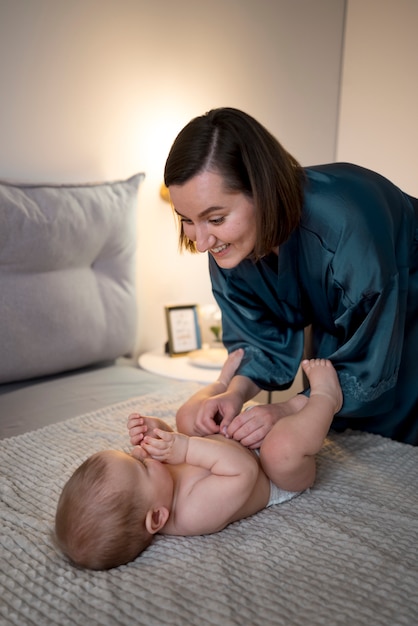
(277, 495)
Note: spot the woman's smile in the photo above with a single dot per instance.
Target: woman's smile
(219, 249)
(218, 220)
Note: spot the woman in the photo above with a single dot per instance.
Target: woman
(331, 247)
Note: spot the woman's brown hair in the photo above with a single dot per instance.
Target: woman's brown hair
(250, 160)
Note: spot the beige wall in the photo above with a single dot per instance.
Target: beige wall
(98, 89)
(378, 125)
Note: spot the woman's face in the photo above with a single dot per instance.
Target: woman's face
(217, 220)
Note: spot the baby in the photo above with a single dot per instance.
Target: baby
(171, 483)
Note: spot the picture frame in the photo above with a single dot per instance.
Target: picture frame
(183, 329)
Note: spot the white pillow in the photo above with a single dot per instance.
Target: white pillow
(67, 276)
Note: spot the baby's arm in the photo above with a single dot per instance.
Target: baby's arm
(215, 498)
(221, 458)
(165, 446)
(219, 498)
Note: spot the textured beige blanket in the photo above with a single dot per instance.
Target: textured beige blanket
(344, 553)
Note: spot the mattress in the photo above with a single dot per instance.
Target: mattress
(343, 553)
(31, 404)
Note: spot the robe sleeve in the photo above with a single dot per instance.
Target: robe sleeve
(355, 254)
(364, 341)
(254, 319)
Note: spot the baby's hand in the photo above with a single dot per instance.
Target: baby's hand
(166, 446)
(137, 428)
(139, 453)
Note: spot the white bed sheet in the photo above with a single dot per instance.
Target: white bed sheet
(343, 554)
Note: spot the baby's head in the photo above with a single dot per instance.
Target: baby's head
(106, 515)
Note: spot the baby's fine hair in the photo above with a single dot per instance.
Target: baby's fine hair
(99, 525)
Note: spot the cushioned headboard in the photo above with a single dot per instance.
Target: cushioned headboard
(67, 276)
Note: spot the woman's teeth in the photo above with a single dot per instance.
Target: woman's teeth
(220, 248)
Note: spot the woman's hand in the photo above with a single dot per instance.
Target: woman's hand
(216, 412)
(251, 426)
(203, 412)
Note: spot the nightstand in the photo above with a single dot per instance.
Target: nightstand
(181, 368)
(178, 367)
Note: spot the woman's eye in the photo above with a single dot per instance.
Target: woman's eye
(215, 220)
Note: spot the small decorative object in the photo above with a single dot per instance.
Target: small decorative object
(216, 330)
(183, 329)
(211, 325)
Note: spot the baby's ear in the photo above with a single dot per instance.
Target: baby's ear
(155, 519)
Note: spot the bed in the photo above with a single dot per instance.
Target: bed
(343, 553)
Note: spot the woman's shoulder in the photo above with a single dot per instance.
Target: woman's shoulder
(344, 195)
(343, 171)
(348, 183)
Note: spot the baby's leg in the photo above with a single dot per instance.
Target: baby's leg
(323, 380)
(288, 450)
(138, 425)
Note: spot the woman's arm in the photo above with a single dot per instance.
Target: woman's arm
(203, 413)
(218, 402)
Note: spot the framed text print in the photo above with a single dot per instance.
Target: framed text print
(183, 329)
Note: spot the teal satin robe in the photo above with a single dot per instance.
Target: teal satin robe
(351, 271)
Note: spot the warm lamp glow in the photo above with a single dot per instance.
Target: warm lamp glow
(164, 193)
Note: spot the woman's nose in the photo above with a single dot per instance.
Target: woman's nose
(204, 239)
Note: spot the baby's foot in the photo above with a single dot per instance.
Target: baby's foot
(230, 366)
(323, 380)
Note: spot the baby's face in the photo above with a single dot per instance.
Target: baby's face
(151, 479)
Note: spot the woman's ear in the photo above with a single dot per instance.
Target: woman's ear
(155, 519)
